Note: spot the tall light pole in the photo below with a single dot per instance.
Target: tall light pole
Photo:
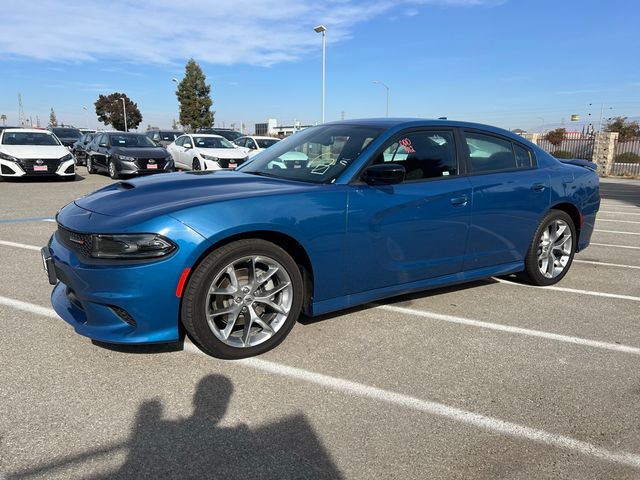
(86, 114)
(124, 109)
(322, 29)
(378, 82)
(542, 123)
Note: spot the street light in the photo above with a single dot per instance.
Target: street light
(322, 29)
(542, 123)
(86, 114)
(378, 82)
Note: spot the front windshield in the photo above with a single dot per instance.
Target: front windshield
(29, 138)
(212, 142)
(266, 142)
(131, 140)
(67, 132)
(317, 154)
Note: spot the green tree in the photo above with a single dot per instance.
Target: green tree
(53, 120)
(194, 97)
(555, 137)
(110, 112)
(626, 129)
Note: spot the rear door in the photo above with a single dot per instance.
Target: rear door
(510, 196)
(415, 230)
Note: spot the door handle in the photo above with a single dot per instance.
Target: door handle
(459, 201)
(538, 187)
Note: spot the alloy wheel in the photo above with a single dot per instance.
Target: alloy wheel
(248, 301)
(554, 248)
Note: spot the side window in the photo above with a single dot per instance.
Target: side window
(102, 139)
(241, 142)
(428, 154)
(488, 153)
(523, 156)
(180, 140)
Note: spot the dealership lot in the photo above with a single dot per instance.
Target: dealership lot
(488, 380)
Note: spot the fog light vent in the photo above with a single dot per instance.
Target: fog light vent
(124, 315)
(70, 169)
(6, 170)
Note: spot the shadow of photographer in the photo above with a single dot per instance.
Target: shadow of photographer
(197, 447)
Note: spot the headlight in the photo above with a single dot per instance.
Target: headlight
(209, 157)
(68, 156)
(135, 246)
(4, 156)
(126, 158)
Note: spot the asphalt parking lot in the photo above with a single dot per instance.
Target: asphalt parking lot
(488, 380)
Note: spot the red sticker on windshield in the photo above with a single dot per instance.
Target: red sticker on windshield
(406, 143)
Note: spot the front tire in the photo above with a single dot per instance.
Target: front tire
(243, 299)
(195, 165)
(90, 168)
(113, 172)
(551, 250)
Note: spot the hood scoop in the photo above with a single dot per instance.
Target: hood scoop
(126, 186)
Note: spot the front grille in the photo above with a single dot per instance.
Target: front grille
(51, 163)
(78, 242)
(143, 163)
(224, 162)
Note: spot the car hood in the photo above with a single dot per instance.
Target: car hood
(223, 152)
(35, 151)
(166, 193)
(152, 152)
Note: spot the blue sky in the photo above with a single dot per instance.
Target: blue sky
(511, 63)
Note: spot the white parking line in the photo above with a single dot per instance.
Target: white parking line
(605, 264)
(614, 246)
(511, 329)
(348, 387)
(19, 245)
(614, 220)
(618, 213)
(617, 231)
(572, 290)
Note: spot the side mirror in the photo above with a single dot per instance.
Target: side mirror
(187, 145)
(102, 144)
(384, 174)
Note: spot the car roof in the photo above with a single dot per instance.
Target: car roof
(211, 135)
(401, 123)
(26, 130)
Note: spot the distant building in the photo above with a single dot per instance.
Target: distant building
(272, 129)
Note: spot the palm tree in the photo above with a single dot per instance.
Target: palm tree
(3, 117)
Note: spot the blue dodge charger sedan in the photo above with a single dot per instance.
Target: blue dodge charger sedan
(370, 209)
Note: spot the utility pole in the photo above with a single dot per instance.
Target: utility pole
(21, 118)
(342, 115)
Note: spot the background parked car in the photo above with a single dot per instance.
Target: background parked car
(254, 144)
(86, 130)
(163, 137)
(33, 152)
(205, 152)
(227, 133)
(67, 135)
(120, 153)
(79, 149)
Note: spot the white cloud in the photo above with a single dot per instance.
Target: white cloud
(254, 32)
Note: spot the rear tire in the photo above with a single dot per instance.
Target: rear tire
(228, 307)
(551, 250)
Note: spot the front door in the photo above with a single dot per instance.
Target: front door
(415, 230)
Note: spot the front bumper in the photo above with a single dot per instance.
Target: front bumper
(25, 168)
(142, 167)
(118, 301)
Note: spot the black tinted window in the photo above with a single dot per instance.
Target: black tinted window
(488, 153)
(523, 156)
(428, 154)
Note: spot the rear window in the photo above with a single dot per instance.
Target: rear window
(67, 132)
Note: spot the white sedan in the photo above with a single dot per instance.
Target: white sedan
(201, 151)
(255, 144)
(34, 153)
